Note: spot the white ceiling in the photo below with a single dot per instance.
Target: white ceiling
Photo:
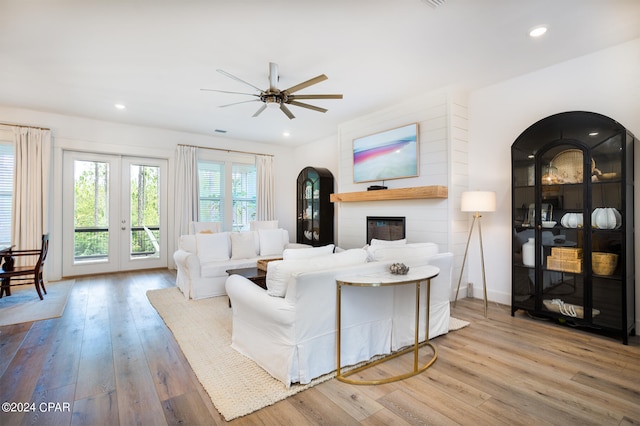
(80, 57)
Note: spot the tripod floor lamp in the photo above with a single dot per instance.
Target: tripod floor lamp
(476, 202)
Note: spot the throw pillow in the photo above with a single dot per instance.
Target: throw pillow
(306, 253)
(212, 247)
(243, 245)
(375, 242)
(271, 242)
(279, 272)
(257, 225)
(406, 253)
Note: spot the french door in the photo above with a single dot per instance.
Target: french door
(114, 213)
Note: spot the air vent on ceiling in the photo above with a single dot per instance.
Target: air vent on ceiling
(433, 3)
(220, 131)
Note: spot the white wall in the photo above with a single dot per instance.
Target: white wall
(76, 133)
(606, 82)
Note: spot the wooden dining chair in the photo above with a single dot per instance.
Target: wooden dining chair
(11, 275)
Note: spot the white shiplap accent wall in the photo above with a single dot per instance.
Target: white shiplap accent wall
(441, 118)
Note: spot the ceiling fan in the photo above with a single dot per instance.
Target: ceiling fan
(276, 98)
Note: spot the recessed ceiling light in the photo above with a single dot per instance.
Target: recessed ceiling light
(120, 106)
(286, 134)
(538, 31)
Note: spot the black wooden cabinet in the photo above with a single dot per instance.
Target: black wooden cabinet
(314, 209)
(572, 220)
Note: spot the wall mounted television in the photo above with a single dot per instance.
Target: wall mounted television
(392, 154)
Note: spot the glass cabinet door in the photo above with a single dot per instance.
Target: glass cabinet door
(523, 208)
(607, 233)
(565, 172)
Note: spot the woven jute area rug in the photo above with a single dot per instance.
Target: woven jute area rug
(236, 385)
(24, 305)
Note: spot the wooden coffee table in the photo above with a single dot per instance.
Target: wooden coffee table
(255, 275)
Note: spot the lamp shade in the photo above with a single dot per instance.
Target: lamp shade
(478, 201)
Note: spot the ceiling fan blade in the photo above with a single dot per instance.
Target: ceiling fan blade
(259, 111)
(313, 107)
(315, 97)
(226, 91)
(223, 72)
(236, 103)
(273, 76)
(287, 112)
(307, 83)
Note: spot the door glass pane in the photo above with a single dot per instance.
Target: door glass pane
(91, 211)
(145, 211)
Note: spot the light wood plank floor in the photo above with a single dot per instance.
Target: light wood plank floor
(111, 360)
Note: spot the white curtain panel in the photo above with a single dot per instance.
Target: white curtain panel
(186, 193)
(30, 187)
(265, 188)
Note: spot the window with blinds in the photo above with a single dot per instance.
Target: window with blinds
(6, 190)
(235, 199)
(211, 187)
(244, 195)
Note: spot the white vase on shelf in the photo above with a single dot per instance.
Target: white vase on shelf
(529, 252)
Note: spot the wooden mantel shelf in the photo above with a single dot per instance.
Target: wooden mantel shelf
(418, 192)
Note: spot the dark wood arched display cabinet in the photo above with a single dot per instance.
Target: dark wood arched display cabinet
(572, 220)
(314, 209)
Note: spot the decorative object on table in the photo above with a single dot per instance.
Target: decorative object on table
(604, 263)
(572, 220)
(476, 202)
(399, 269)
(606, 218)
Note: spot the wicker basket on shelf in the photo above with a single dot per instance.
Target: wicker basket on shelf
(568, 163)
(604, 263)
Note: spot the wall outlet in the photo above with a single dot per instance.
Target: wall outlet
(470, 290)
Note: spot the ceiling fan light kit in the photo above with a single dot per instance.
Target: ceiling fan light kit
(274, 98)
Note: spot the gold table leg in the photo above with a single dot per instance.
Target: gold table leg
(343, 377)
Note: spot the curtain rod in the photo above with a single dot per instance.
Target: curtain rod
(24, 125)
(226, 150)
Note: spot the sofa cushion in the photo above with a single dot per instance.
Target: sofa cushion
(212, 247)
(279, 271)
(306, 253)
(243, 245)
(272, 241)
(376, 242)
(408, 253)
(188, 243)
(206, 227)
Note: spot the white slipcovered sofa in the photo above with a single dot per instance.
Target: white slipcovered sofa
(290, 328)
(202, 259)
